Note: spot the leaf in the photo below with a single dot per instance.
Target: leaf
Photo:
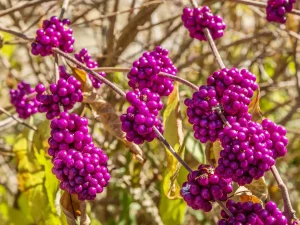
(250, 198)
(172, 212)
(174, 135)
(259, 188)
(106, 114)
(71, 207)
(212, 152)
(31, 176)
(194, 148)
(82, 77)
(254, 108)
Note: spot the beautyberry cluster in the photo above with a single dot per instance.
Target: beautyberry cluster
(84, 57)
(144, 73)
(276, 10)
(196, 20)
(277, 141)
(78, 164)
(54, 33)
(67, 92)
(24, 107)
(244, 81)
(203, 187)
(137, 124)
(252, 213)
(206, 123)
(247, 153)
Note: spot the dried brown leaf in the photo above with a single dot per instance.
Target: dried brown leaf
(71, 207)
(106, 114)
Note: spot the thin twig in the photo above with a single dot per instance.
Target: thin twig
(84, 218)
(194, 3)
(17, 119)
(261, 5)
(17, 34)
(63, 9)
(224, 208)
(179, 79)
(173, 152)
(23, 5)
(90, 71)
(214, 48)
(112, 69)
(288, 208)
(126, 70)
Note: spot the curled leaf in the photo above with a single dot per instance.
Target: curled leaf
(71, 207)
(254, 108)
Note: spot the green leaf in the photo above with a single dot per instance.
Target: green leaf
(174, 135)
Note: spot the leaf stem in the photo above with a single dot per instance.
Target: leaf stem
(288, 208)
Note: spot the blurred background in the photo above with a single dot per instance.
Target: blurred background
(117, 32)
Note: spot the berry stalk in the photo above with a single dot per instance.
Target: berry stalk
(63, 9)
(288, 208)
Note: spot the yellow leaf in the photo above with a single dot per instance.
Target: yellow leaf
(250, 198)
(212, 152)
(254, 108)
(174, 135)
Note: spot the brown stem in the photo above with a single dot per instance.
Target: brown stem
(194, 3)
(214, 49)
(84, 218)
(224, 208)
(173, 152)
(17, 119)
(112, 69)
(63, 9)
(261, 5)
(56, 77)
(179, 79)
(288, 208)
(15, 33)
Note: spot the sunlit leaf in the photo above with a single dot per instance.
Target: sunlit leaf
(258, 188)
(174, 135)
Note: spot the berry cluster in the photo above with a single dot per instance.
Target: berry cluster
(84, 57)
(277, 141)
(247, 153)
(196, 20)
(276, 10)
(78, 164)
(144, 73)
(24, 107)
(203, 187)
(244, 81)
(206, 123)
(54, 33)
(67, 92)
(137, 124)
(252, 213)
